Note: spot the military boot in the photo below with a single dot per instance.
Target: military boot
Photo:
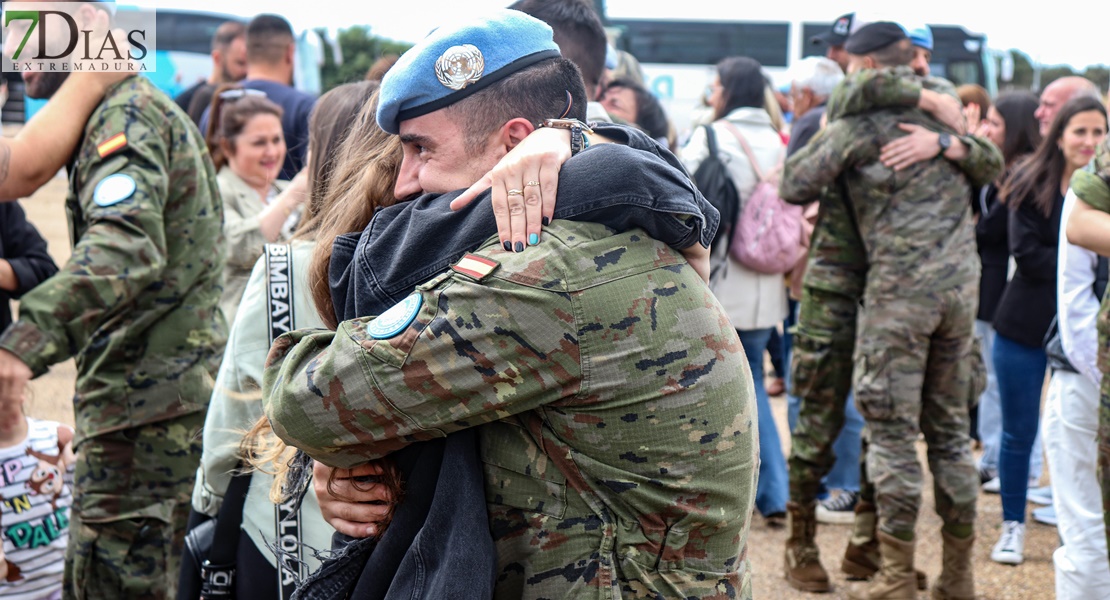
(802, 563)
(861, 557)
(895, 579)
(957, 582)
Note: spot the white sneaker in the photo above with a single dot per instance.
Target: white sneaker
(1010, 549)
(1045, 514)
(994, 486)
(1040, 495)
(838, 509)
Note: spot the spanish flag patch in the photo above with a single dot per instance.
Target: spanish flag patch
(114, 143)
(476, 267)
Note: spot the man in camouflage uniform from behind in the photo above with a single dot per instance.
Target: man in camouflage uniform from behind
(136, 306)
(914, 221)
(611, 397)
(1092, 187)
(826, 333)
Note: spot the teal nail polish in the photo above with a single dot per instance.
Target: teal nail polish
(533, 239)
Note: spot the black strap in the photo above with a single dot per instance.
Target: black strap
(1102, 274)
(225, 541)
(279, 289)
(711, 141)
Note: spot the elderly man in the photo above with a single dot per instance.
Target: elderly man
(813, 80)
(1057, 94)
(613, 408)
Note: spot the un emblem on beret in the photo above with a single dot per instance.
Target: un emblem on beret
(460, 66)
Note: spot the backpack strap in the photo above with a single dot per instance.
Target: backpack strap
(735, 131)
(711, 141)
(279, 298)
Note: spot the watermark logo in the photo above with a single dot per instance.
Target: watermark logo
(77, 36)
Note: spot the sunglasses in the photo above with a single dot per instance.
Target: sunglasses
(241, 93)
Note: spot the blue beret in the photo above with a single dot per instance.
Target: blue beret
(921, 36)
(456, 60)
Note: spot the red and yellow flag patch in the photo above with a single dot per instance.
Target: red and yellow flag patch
(476, 267)
(112, 144)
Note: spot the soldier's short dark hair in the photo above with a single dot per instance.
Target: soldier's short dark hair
(268, 39)
(578, 32)
(535, 93)
(226, 33)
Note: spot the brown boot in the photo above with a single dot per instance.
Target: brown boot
(861, 557)
(957, 582)
(802, 563)
(895, 579)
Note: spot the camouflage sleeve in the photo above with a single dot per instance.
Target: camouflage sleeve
(1092, 185)
(122, 251)
(468, 357)
(817, 165)
(872, 88)
(983, 163)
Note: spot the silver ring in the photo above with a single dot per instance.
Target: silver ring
(531, 184)
(515, 193)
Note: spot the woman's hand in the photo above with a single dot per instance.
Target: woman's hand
(973, 114)
(532, 169)
(273, 217)
(353, 501)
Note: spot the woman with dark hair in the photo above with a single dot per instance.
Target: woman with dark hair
(755, 302)
(631, 102)
(1009, 124)
(1034, 193)
(247, 144)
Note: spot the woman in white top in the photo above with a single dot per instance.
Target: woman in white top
(755, 302)
(248, 149)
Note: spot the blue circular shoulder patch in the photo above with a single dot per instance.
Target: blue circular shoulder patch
(396, 319)
(113, 189)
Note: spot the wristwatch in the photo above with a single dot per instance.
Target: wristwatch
(945, 142)
(577, 141)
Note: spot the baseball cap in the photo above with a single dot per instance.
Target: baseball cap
(838, 33)
(874, 36)
(457, 60)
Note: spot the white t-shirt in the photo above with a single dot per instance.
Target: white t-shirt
(36, 492)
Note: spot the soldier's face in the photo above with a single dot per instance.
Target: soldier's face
(921, 60)
(436, 158)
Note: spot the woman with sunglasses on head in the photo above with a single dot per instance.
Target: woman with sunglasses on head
(248, 149)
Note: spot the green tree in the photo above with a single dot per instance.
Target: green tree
(360, 49)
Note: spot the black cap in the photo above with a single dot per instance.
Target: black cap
(875, 36)
(838, 33)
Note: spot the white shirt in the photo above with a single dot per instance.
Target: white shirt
(1077, 305)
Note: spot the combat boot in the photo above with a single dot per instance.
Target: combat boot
(802, 563)
(895, 579)
(957, 582)
(861, 557)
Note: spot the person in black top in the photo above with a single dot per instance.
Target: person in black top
(1011, 126)
(229, 64)
(24, 262)
(1035, 195)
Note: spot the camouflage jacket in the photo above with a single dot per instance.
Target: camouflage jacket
(136, 302)
(916, 223)
(837, 262)
(611, 395)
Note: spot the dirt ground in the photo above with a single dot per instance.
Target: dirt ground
(1033, 580)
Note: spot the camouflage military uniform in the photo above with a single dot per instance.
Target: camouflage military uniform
(136, 305)
(612, 398)
(913, 358)
(1094, 189)
(835, 275)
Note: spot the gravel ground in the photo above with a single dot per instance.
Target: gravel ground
(52, 395)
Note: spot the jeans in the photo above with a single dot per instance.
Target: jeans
(1020, 370)
(990, 410)
(772, 490)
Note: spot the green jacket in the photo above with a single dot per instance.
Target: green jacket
(136, 302)
(916, 226)
(837, 261)
(612, 398)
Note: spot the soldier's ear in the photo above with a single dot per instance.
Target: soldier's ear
(514, 131)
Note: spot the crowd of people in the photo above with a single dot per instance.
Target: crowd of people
(487, 324)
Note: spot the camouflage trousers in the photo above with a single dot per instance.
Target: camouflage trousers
(132, 492)
(821, 373)
(916, 369)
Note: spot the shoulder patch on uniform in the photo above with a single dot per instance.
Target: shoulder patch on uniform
(112, 144)
(476, 267)
(113, 189)
(396, 319)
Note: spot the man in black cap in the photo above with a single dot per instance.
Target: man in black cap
(835, 37)
(914, 352)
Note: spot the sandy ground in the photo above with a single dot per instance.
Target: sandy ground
(52, 395)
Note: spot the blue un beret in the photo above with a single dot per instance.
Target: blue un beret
(921, 36)
(456, 60)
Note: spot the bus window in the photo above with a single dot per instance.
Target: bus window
(703, 42)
